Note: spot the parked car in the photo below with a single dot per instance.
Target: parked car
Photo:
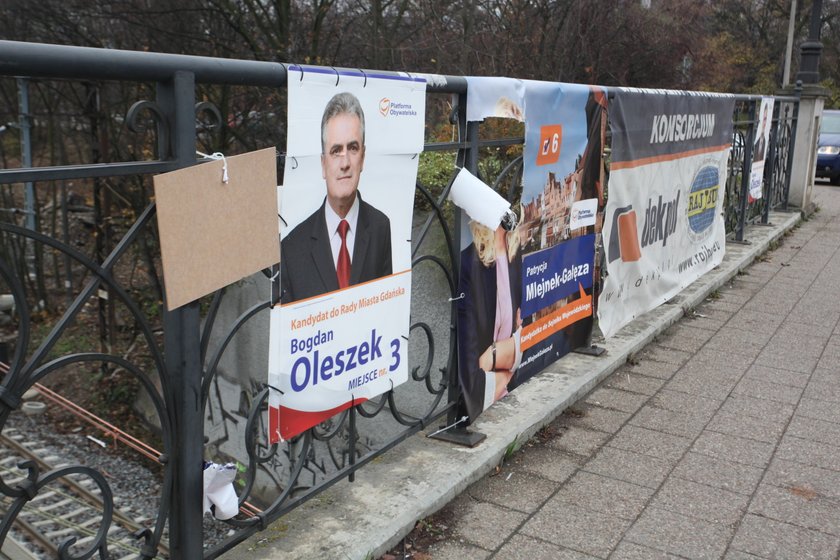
(828, 152)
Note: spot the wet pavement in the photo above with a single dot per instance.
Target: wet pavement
(720, 439)
(710, 428)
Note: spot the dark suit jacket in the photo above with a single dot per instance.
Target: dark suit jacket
(477, 321)
(758, 149)
(306, 262)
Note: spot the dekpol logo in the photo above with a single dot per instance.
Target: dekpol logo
(624, 237)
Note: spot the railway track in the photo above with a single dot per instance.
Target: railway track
(70, 507)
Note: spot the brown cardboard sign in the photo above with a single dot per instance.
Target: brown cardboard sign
(214, 233)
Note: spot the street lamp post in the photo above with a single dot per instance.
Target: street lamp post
(809, 65)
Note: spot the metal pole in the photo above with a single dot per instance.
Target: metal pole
(809, 65)
(26, 161)
(792, 148)
(182, 340)
(789, 47)
(768, 183)
(26, 149)
(745, 174)
(455, 430)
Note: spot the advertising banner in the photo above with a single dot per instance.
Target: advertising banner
(664, 218)
(761, 147)
(528, 292)
(340, 333)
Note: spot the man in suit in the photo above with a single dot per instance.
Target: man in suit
(346, 241)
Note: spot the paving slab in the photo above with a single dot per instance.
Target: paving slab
(701, 501)
(617, 399)
(678, 534)
(736, 449)
(719, 473)
(580, 441)
(577, 528)
(484, 524)
(635, 468)
(669, 422)
(628, 380)
(605, 495)
(515, 489)
(521, 547)
(769, 538)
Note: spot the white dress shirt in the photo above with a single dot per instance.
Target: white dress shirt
(333, 220)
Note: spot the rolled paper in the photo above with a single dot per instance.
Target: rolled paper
(478, 199)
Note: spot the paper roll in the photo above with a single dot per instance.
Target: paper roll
(478, 200)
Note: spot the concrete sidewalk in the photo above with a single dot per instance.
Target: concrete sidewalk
(719, 437)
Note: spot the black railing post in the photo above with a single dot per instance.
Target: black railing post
(455, 430)
(769, 193)
(182, 343)
(743, 204)
(792, 148)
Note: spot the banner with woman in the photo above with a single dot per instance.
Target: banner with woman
(528, 292)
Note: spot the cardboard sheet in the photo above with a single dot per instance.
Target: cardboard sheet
(214, 233)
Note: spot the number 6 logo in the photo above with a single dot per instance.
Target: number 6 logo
(551, 137)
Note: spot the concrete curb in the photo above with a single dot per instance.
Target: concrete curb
(364, 519)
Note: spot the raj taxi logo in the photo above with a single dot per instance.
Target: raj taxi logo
(702, 201)
(384, 106)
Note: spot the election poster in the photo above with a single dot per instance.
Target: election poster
(562, 203)
(663, 224)
(761, 147)
(339, 335)
(527, 293)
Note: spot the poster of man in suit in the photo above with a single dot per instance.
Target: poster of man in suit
(316, 256)
(764, 123)
(338, 335)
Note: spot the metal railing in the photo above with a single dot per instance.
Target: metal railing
(739, 208)
(183, 349)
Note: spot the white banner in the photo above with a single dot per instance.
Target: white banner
(663, 225)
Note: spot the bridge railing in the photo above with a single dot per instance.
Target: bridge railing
(71, 274)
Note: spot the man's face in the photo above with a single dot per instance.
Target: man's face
(342, 160)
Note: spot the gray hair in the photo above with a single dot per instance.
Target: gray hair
(341, 103)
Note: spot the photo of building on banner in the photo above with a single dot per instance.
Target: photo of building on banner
(339, 334)
(664, 218)
(528, 292)
(761, 147)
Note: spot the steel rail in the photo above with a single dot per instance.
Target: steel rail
(83, 493)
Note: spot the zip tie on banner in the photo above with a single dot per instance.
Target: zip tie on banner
(463, 419)
(218, 156)
(462, 296)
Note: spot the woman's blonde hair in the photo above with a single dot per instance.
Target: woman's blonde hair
(485, 243)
